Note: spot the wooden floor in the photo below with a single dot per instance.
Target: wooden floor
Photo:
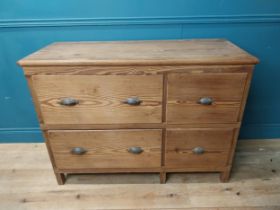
(27, 182)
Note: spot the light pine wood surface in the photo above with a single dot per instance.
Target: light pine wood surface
(206, 51)
(133, 70)
(101, 98)
(93, 85)
(180, 143)
(27, 183)
(106, 148)
(185, 90)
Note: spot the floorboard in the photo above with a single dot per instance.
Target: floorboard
(27, 182)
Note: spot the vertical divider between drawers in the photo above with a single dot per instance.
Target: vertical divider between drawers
(164, 107)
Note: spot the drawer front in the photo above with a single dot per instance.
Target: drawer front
(198, 148)
(205, 97)
(106, 148)
(92, 99)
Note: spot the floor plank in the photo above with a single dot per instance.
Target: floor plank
(27, 182)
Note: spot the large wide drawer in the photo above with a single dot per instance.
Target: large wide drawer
(96, 99)
(204, 97)
(198, 147)
(106, 148)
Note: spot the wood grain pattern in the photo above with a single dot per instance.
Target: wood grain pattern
(185, 90)
(135, 126)
(194, 52)
(168, 76)
(180, 143)
(35, 99)
(133, 70)
(106, 148)
(225, 175)
(119, 170)
(60, 177)
(27, 183)
(245, 93)
(100, 98)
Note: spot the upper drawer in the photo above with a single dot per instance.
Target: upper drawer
(205, 97)
(92, 99)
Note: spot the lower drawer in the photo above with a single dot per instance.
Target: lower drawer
(198, 147)
(106, 148)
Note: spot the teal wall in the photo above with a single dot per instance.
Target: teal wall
(26, 26)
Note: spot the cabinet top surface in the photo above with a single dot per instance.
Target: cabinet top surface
(164, 52)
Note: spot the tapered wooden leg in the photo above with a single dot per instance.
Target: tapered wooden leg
(224, 176)
(60, 178)
(162, 177)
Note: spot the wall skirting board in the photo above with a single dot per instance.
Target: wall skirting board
(17, 135)
(259, 131)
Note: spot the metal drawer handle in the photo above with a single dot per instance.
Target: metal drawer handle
(205, 101)
(68, 102)
(198, 150)
(78, 151)
(132, 101)
(135, 150)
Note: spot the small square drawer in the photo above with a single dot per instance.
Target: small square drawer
(88, 149)
(198, 147)
(204, 97)
(99, 99)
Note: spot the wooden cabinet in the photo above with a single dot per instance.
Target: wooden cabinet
(140, 106)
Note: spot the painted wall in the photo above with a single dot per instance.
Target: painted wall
(26, 26)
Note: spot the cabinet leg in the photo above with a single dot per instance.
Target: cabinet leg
(60, 178)
(224, 176)
(162, 177)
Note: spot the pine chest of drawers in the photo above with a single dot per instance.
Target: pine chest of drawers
(140, 106)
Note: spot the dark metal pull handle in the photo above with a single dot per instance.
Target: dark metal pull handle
(69, 102)
(133, 101)
(198, 150)
(135, 150)
(78, 151)
(205, 101)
